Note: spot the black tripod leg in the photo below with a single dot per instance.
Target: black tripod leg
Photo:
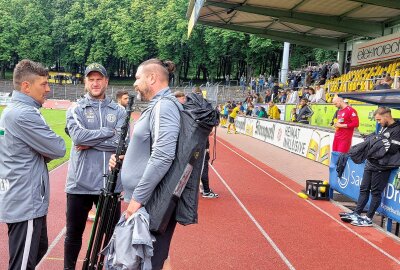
(112, 219)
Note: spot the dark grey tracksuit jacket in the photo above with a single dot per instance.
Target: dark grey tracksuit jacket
(26, 144)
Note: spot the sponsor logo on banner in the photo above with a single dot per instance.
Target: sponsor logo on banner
(249, 129)
(240, 123)
(265, 131)
(379, 49)
(293, 142)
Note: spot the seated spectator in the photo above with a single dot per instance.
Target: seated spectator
(311, 94)
(273, 111)
(256, 111)
(319, 96)
(386, 83)
(294, 97)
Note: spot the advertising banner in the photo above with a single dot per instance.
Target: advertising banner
(303, 140)
(349, 185)
(379, 49)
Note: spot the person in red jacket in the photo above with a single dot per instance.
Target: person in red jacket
(347, 121)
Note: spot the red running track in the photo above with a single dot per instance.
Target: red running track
(257, 223)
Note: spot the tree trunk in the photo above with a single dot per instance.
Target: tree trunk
(2, 70)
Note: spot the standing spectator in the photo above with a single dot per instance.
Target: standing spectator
(273, 111)
(347, 121)
(27, 144)
(334, 71)
(324, 73)
(249, 110)
(275, 90)
(304, 113)
(308, 78)
(377, 171)
(261, 82)
(227, 80)
(94, 126)
(243, 83)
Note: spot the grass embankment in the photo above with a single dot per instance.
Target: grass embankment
(56, 120)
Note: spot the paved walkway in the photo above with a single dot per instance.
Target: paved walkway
(291, 165)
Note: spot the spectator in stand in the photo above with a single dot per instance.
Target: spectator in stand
(294, 97)
(304, 113)
(324, 73)
(273, 111)
(261, 82)
(243, 83)
(180, 96)
(308, 78)
(256, 111)
(283, 96)
(275, 89)
(334, 71)
(347, 121)
(386, 83)
(262, 113)
(268, 96)
(319, 95)
(270, 81)
(311, 95)
(249, 110)
(241, 107)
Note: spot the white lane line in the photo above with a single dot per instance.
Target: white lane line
(318, 208)
(53, 244)
(61, 233)
(269, 239)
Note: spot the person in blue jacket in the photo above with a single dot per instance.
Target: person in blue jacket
(27, 144)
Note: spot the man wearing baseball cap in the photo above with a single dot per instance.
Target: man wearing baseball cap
(94, 125)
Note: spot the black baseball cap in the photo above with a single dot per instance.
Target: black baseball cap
(95, 67)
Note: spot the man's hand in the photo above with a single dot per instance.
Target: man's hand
(113, 161)
(339, 125)
(132, 208)
(81, 147)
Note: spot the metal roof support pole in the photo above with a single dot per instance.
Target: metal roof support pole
(285, 62)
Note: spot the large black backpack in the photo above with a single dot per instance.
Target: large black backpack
(178, 190)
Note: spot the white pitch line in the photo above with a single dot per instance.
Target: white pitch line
(318, 208)
(52, 245)
(260, 228)
(60, 234)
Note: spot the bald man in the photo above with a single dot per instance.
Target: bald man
(152, 148)
(347, 121)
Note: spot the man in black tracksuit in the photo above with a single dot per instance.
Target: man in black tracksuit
(377, 170)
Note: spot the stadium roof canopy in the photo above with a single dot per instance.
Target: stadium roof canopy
(317, 23)
(389, 98)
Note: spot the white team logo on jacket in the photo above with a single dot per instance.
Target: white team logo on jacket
(4, 185)
(111, 118)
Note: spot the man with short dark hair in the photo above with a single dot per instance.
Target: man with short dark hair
(94, 125)
(122, 98)
(377, 170)
(27, 144)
